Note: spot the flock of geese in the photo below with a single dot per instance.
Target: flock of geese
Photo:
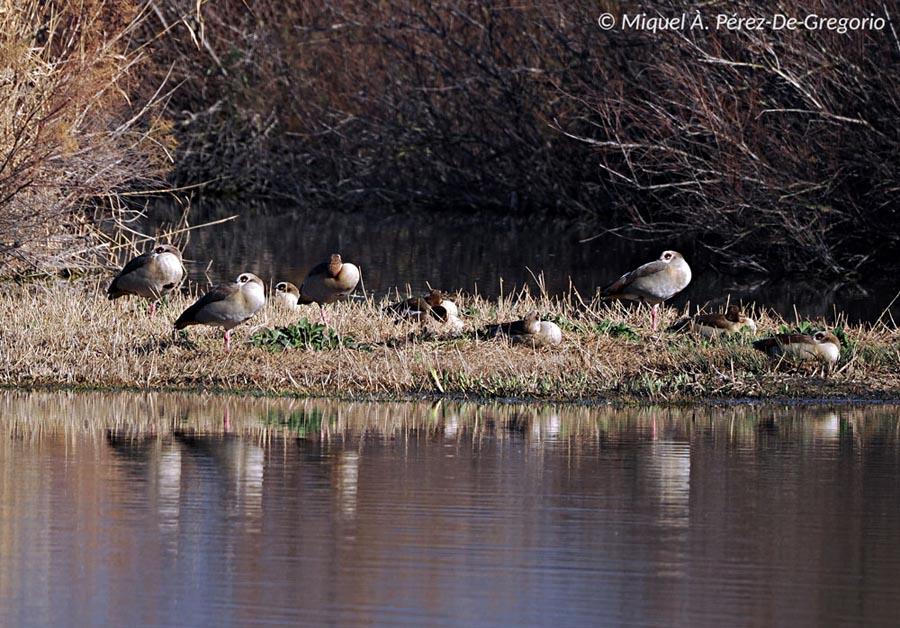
(160, 271)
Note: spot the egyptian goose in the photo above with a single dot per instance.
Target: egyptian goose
(416, 308)
(328, 282)
(652, 283)
(822, 345)
(227, 305)
(712, 325)
(150, 275)
(286, 295)
(432, 305)
(532, 330)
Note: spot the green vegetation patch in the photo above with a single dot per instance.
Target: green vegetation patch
(615, 330)
(302, 335)
(302, 422)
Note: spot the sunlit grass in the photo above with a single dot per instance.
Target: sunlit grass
(69, 334)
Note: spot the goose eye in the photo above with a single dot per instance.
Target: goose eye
(667, 256)
(160, 250)
(243, 278)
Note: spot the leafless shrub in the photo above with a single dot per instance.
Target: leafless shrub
(70, 137)
(779, 148)
(401, 103)
(775, 149)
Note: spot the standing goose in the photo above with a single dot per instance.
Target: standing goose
(652, 283)
(227, 305)
(532, 331)
(329, 282)
(712, 325)
(150, 275)
(287, 295)
(822, 345)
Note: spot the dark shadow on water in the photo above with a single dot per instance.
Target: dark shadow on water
(483, 254)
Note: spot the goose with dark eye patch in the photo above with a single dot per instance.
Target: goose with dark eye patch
(151, 275)
(329, 282)
(416, 308)
(531, 331)
(227, 305)
(712, 325)
(287, 295)
(822, 345)
(652, 283)
(431, 306)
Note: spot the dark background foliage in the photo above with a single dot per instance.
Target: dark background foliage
(775, 150)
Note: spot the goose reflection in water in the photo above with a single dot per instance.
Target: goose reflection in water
(169, 481)
(668, 476)
(154, 461)
(347, 480)
(546, 428)
(234, 463)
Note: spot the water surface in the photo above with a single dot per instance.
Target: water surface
(484, 254)
(198, 510)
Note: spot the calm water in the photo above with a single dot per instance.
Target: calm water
(179, 510)
(474, 253)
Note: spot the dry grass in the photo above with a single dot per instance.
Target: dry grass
(68, 334)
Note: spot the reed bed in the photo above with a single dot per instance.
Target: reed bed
(67, 334)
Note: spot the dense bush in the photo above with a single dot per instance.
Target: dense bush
(780, 149)
(777, 150)
(397, 103)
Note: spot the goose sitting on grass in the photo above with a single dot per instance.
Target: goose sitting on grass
(287, 295)
(713, 325)
(822, 345)
(431, 306)
(531, 330)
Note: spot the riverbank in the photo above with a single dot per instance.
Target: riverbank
(68, 334)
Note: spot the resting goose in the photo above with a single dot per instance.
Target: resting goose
(712, 325)
(433, 305)
(822, 345)
(531, 330)
(286, 295)
(329, 282)
(652, 283)
(150, 275)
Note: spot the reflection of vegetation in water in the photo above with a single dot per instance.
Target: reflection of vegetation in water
(36, 415)
(301, 422)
